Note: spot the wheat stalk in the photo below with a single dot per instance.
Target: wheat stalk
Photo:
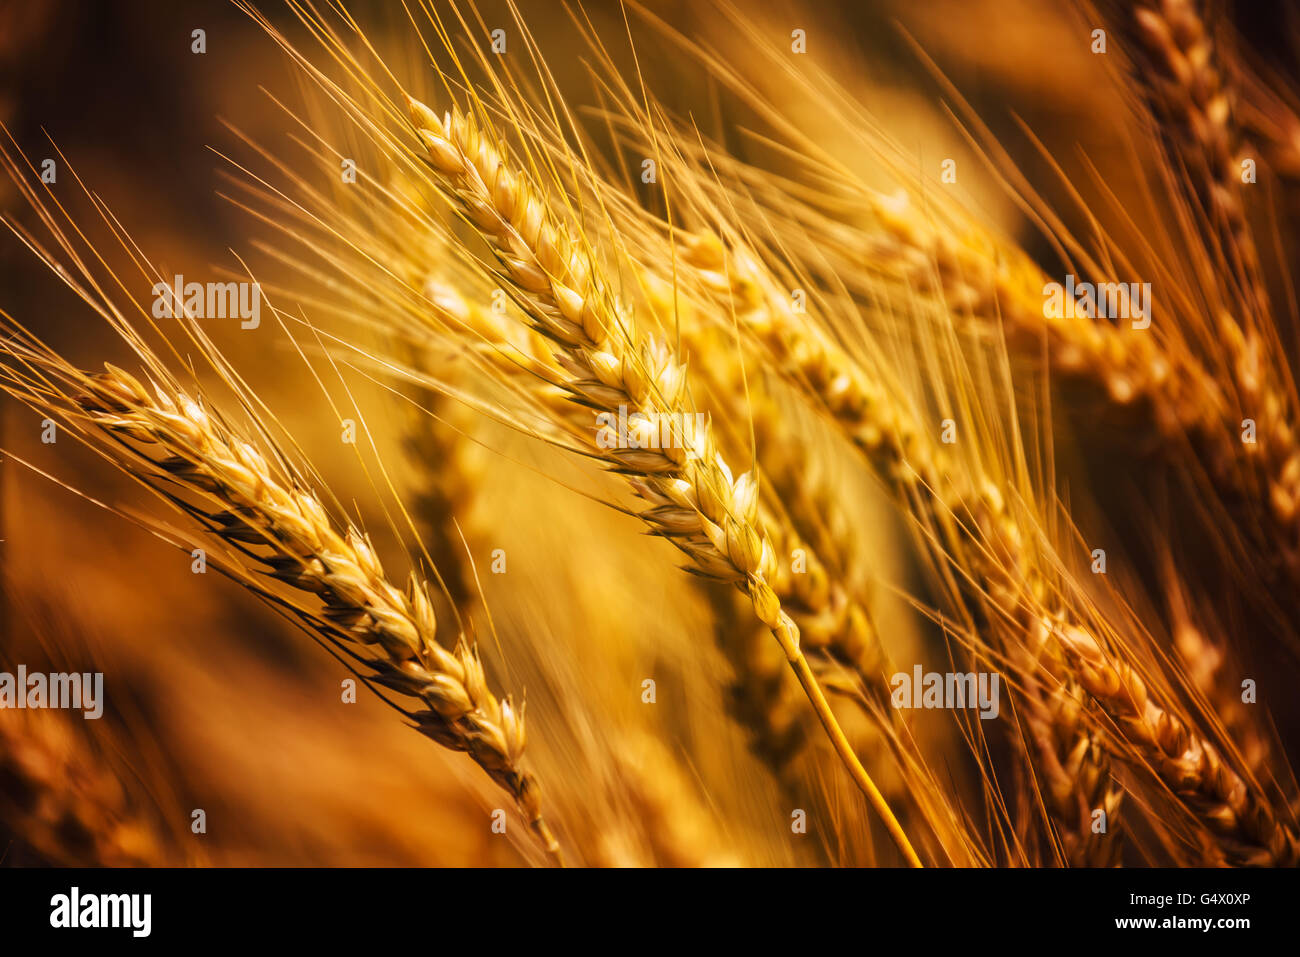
(835, 629)
(695, 502)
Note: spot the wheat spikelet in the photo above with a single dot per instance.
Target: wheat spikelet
(696, 503)
(1206, 669)
(1073, 771)
(1203, 662)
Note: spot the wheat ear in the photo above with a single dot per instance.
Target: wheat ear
(1221, 801)
(55, 797)
(695, 502)
(1269, 111)
(766, 695)
(1249, 831)
(1179, 69)
(920, 476)
(362, 610)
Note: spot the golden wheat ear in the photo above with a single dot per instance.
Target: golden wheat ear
(695, 502)
(278, 526)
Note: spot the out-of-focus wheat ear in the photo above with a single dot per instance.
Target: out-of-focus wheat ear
(449, 467)
(1180, 70)
(59, 800)
(695, 502)
(1178, 66)
(1072, 769)
(389, 630)
(1155, 379)
(666, 812)
(993, 287)
(1211, 671)
(1247, 829)
(1269, 107)
(1203, 663)
(448, 464)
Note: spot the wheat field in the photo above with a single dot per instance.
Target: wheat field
(730, 434)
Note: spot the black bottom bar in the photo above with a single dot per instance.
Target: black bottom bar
(523, 908)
